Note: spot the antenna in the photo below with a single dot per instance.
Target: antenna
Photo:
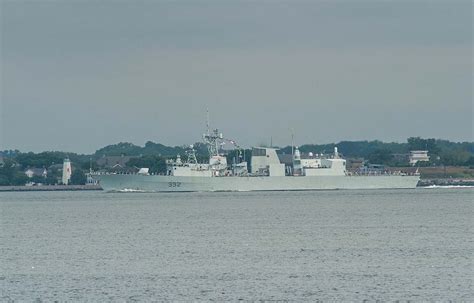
(292, 141)
(207, 121)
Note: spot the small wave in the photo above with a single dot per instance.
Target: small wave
(448, 186)
(131, 190)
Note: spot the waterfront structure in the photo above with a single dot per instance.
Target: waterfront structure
(266, 172)
(418, 155)
(67, 171)
(38, 172)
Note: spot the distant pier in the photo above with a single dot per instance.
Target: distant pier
(446, 182)
(50, 188)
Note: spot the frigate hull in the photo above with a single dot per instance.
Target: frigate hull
(156, 183)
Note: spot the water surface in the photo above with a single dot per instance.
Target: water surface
(322, 245)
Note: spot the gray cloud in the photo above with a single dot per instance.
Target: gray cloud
(77, 76)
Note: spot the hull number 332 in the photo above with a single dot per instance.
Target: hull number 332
(174, 184)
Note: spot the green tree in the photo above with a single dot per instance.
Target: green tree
(9, 172)
(78, 177)
(417, 143)
(87, 165)
(122, 148)
(4, 180)
(51, 180)
(381, 156)
(44, 159)
(38, 179)
(19, 178)
(54, 176)
(470, 162)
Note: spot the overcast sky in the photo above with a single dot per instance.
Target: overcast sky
(79, 75)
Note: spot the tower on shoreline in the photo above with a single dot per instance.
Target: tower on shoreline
(67, 171)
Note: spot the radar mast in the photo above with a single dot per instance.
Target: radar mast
(212, 139)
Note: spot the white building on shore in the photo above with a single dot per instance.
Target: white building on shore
(39, 172)
(418, 155)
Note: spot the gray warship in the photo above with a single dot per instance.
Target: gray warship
(265, 173)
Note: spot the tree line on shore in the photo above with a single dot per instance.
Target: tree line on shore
(154, 155)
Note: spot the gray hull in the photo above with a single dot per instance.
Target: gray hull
(203, 184)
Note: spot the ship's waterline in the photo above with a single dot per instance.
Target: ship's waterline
(285, 183)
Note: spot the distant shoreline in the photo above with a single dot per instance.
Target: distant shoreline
(421, 183)
(49, 188)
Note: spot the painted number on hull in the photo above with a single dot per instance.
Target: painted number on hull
(174, 184)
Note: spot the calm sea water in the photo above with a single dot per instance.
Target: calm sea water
(323, 245)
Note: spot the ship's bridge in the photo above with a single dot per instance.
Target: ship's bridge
(265, 162)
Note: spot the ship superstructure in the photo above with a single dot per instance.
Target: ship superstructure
(265, 172)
